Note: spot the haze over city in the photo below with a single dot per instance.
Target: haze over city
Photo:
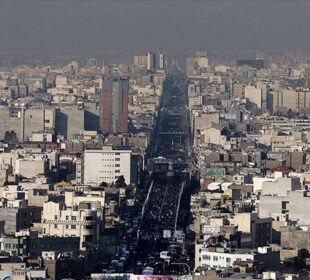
(138, 25)
(154, 139)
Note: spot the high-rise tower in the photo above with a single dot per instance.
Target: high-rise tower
(114, 104)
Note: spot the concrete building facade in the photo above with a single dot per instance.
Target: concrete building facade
(106, 165)
(114, 104)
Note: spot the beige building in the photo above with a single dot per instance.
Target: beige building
(198, 62)
(194, 101)
(264, 89)
(61, 81)
(281, 186)
(254, 95)
(140, 61)
(79, 215)
(212, 135)
(237, 90)
(31, 165)
(290, 99)
(260, 229)
(204, 120)
(202, 59)
(286, 99)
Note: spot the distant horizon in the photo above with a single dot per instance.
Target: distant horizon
(175, 26)
(15, 58)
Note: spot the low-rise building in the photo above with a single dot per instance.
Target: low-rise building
(219, 258)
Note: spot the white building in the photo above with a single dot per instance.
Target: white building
(219, 258)
(79, 215)
(106, 165)
(258, 182)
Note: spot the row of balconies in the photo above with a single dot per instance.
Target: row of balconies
(69, 222)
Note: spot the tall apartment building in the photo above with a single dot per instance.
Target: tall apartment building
(70, 121)
(35, 84)
(264, 89)
(237, 90)
(22, 90)
(151, 61)
(161, 61)
(254, 95)
(140, 61)
(285, 99)
(106, 165)
(114, 104)
(25, 121)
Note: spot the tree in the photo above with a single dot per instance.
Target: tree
(120, 182)
(103, 184)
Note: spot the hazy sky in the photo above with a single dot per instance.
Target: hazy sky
(140, 25)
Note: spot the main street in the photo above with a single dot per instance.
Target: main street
(169, 168)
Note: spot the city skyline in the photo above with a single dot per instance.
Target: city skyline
(154, 139)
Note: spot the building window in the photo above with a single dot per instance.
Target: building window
(215, 258)
(117, 171)
(117, 159)
(73, 227)
(73, 218)
(117, 154)
(228, 260)
(55, 225)
(117, 165)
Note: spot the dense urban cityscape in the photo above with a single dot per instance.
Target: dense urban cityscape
(156, 169)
